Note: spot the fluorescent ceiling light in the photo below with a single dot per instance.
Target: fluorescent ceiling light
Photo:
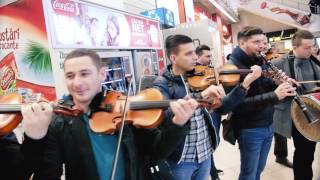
(218, 6)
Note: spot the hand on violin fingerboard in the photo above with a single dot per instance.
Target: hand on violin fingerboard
(36, 119)
(183, 110)
(213, 92)
(256, 73)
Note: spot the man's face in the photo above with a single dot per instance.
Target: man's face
(83, 78)
(304, 49)
(253, 45)
(186, 57)
(205, 57)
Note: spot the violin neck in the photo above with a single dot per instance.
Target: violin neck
(141, 105)
(236, 71)
(9, 108)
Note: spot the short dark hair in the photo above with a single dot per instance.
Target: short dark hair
(173, 41)
(201, 48)
(248, 31)
(299, 35)
(85, 52)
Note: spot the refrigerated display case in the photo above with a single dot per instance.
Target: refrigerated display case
(119, 70)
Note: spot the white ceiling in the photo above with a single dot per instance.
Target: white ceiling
(265, 24)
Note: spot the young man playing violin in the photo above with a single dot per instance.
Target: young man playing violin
(88, 155)
(191, 158)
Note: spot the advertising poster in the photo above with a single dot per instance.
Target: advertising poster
(25, 64)
(83, 25)
(143, 64)
(293, 17)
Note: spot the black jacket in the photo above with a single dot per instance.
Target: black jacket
(172, 87)
(257, 108)
(68, 143)
(19, 161)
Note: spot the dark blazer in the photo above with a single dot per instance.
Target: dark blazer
(68, 143)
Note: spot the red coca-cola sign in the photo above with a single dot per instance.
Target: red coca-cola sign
(64, 7)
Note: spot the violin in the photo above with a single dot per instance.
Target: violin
(204, 76)
(145, 110)
(10, 112)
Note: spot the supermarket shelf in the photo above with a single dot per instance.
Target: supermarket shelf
(108, 82)
(114, 69)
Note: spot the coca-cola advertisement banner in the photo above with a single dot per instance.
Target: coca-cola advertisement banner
(25, 64)
(283, 14)
(84, 25)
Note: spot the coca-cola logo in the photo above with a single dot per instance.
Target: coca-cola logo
(64, 7)
(7, 78)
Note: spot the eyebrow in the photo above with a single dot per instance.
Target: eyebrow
(81, 71)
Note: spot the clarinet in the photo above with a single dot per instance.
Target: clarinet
(275, 74)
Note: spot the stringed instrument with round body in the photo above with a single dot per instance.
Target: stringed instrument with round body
(10, 112)
(145, 110)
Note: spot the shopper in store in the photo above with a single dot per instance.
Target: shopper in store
(253, 117)
(280, 142)
(88, 155)
(205, 59)
(301, 65)
(192, 157)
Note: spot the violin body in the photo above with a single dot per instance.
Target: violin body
(8, 122)
(143, 115)
(204, 76)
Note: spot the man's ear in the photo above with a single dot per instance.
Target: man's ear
(172, 58)
(241, 42)
(294, 48)
(102, 74)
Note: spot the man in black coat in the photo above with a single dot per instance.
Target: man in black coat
(253, 117)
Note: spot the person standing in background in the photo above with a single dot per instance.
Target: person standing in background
(205, 58)
(300, 65)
